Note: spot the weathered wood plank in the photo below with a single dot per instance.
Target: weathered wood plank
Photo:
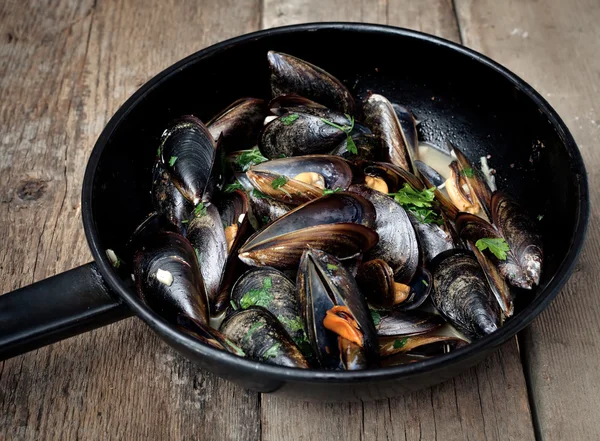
(476, 405)
(554, 46)
(65, 67)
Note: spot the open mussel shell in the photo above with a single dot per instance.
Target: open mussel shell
(409, 127)
(368, 148)
(404, 324)
(304, 177)
(153, 224)
(339, 223)
(258, 333)
(168, 279)
(521, 235)
(167, 199)
(206, 234)
(433, 238)
(475, 180)
(239, 124)
(324, 287)
(446, 206)
(472, 228)
(207, 335)
(291, 75)
(437, 342)
(381, 118)
(397, 244)
(461, 294)
(303, 133)
(394, 176)
(187, 152)
(376, 281)
(432, 175)
(264, 210)
(271, 289)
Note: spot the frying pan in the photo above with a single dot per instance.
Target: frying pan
(456, 93)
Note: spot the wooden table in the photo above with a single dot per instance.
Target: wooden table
(67, 65)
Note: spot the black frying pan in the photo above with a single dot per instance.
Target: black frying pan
(456, 93)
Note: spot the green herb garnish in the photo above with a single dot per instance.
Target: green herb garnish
(424, 282)
(236, 349)
(158, 151)
(200, 210)
(172, 161)
(233, 305)
(273, 351)
(331, 267)
(259, 194)
(255, 327)
(279, 182)
(375, 316)
(400, 343)
(540, 217)
(248, 158)
(468, 172)
(266, 219)
(347, 129)
(289, 119)
(497, 246)
(259, 297)
(420, 203)
(185, 221)
(233, 187)
(327, 191)
(292, 325)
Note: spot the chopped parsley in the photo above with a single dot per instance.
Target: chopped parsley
(497, 246)
(259, 297)
(172, 161)
(540, 217)
(200, 209)
(266, 219)
(424, 282)
(158, 151)
(347, 129)
(248, 158)
(292, 325)
(233, 187)
(331, 267)
(375, 316)
(468, 172)
(236, 349)
(255, 327)
(279, 182)
(259, 194)
(289, 119)
(327, 191)
(419, 203)
(185, 221)
(233, 305)
(400, 343)
(273, 351)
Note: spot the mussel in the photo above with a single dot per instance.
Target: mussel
(168, 200)
(239, 124)
(433, 238)
(439, 341)
(404, 324)
(298, 180)
(168, 279)
(479, 191)
(521, 236)
(461, 293)
(338, 321)
(381, 118)
(340, 223)
(258, 333)
(409, 127)
(207, 335)
(291, 75)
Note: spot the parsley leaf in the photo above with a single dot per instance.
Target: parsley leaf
(273, 351)
(233, 306)
(259, 194)
(468, 172)
(279, 182)
(185, 221)
(233, 187)
(424, 282)
(248, 158)
(347, 129)
(158, 151)
(351, 146)
(375, 316)
(172, 161)
(200, 210)
(327, 191)
(236, 349)
(540, 217)
(331, 267)
(266, 219)
(292, 325)
(400, 343)
(289, 119)
(420, 203)
(497, 246)
(259, 297)
(255, 327)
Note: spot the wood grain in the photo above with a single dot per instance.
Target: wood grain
(488, 402)
(65, 68)
(554, 46)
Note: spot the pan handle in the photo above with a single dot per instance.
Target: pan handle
(56, 308)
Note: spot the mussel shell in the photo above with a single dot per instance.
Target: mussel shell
(430, 173)
(433, 239)
(426, 345)
(152, 225)
(206, 234)
(521, 235)
(280, 299)
(239, 124)
(404, 324)
(409, 127)
(352, 356)
(305, 135)
(172, 253)
(339, 223)
(381, 118)
(167, 199)
(264, 210)
(207, 335)
(445, 204)
(397, 244)
(368, 148)
(293, 75)
(475, 180)
(192, 146)
(258, 333)
(283, 104)
(323, 283)
(472, 228)
(335, 171)
(460, 293)
(394, 176)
